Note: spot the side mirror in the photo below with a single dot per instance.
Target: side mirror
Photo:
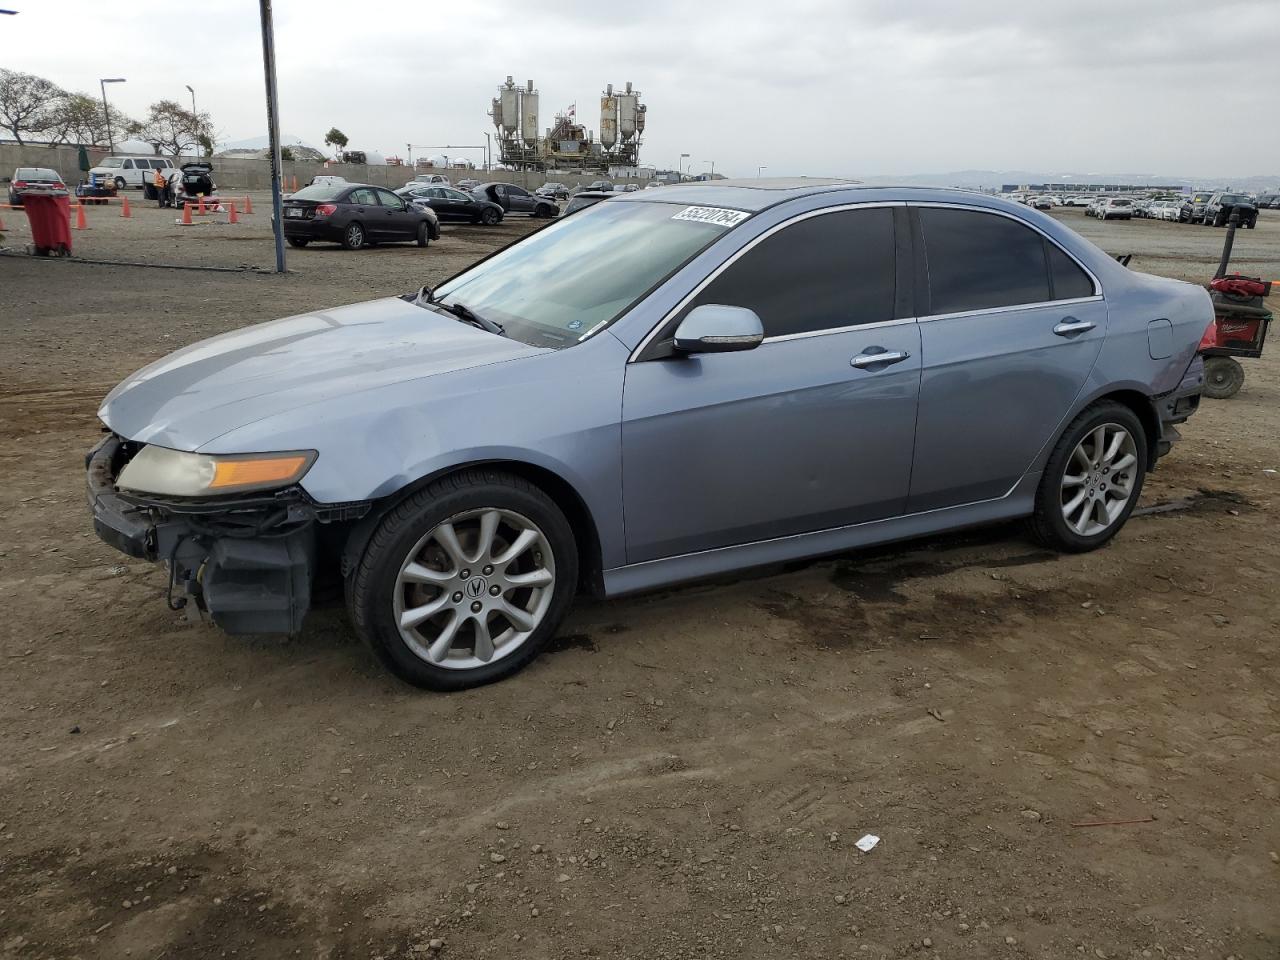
(716, 328)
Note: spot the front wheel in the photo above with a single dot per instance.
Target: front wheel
(464, 582)
(490, 217)
(1092, 480)
(1223, 377)
(423, 239)
(297, 242)
(353, 238)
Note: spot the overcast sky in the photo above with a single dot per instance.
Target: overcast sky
(842, 87)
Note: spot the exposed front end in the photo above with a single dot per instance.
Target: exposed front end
(246, 558)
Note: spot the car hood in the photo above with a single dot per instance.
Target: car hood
(203, 391)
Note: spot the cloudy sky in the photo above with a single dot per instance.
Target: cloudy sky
(848, 87)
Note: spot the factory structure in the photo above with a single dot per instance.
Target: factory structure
(567, 144)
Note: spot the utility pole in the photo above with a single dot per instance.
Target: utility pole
(273, 128)
(106, 111)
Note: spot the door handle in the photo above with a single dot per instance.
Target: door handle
(886, 358)
(1070, 325)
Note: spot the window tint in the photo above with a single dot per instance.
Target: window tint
(978, 261)
(363, 196)
(1069, 281)
(128, 164)
(454, 195)
(830, 271)
(517, 191)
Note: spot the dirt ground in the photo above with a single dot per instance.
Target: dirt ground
(686, 773)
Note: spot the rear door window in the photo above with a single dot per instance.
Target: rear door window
(826, 272)
(981, 261)
(363, 197)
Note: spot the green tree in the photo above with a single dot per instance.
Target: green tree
(170, 129)
(286, 153)
(26, 103)
(336, 139)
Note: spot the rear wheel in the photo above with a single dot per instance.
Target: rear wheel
(490, 217)
(423, 239)
(298, 242)
(466, 581)
(1223, 377)
(353, 238)
(1092, 480)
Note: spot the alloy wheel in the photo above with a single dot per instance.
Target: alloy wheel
(1098, 481)
(474, 588)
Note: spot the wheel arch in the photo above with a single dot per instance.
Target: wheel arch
(1143, 409)
(560, 490)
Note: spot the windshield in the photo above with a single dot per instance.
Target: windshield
(1231, 198)
(112, 162)
(579, 274)
(320, 191)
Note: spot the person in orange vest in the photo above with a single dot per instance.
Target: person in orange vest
(162, 188)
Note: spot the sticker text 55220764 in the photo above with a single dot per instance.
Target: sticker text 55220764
(719, 216)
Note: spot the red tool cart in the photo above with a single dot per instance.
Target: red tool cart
(49, 214)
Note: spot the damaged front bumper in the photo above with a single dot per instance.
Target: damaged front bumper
(249, 562)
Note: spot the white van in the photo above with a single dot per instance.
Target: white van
(131, 171)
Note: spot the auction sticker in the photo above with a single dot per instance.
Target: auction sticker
(718, 216)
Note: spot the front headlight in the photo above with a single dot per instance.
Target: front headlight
(176, 473)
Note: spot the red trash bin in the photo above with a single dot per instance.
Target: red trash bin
(50, 219)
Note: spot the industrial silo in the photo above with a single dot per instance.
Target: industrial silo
(529, 116)
(627, 103)
(510, 107)
(608, 118)
(496, 112)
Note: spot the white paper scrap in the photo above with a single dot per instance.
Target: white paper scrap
(867, 844)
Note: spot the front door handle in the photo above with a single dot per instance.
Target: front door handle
(1070, 325)
(883, 358)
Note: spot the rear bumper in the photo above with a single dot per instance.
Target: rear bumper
(248, 563)
(1177, 406)
(302, 229)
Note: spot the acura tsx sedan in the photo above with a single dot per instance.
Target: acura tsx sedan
(665, 386)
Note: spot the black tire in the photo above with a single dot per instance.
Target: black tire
(353, 236)
(297, 242)
(423, 238)
(120, 184)
(371, 588)
(1048, 525)
(489, 217)
(546, 211)
(1223, 377)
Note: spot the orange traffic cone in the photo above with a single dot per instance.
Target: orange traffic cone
(295, 183)
(248, 204)
(200, 204)
(124, 210)
(232, 218)
(80, 224)
(186, 214)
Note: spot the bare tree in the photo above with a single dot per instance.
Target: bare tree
(26, 102)
(170, 129)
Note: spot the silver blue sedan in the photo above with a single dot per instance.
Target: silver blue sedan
(665, 386)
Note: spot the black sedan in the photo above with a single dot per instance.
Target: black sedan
(587, 198)
(355, 214)
(553, 191)
(515, 199)
(451, 204)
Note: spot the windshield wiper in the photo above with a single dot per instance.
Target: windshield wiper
(464, 313)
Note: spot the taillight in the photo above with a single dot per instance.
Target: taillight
(1210, 338)
(326, 209)
(19, 184)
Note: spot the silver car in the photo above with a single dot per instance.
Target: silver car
(665, 386)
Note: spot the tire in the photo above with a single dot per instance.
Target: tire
(423, 238)
(1081, 527)
(353, 236)
(489, 217)
(1223, 377)
(120, 184)
(379, 592)
(297, 242)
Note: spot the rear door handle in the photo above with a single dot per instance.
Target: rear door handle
(884, 358)
(1071, 325)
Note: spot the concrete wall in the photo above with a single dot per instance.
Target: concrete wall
(242, 174)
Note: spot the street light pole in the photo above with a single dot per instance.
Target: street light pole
(273, 128)
(106, 111)
(758, 169)
(193, 99)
